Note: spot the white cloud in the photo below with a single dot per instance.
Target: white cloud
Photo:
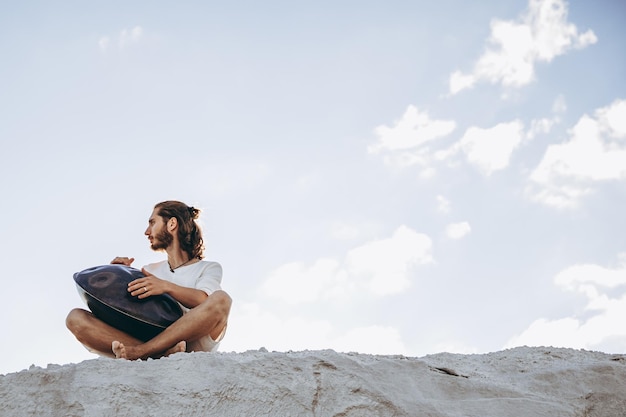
(413, 130)
(595, 152)
(125, 38)
(460, 81)
(542, 332)
(612, 119)
(378, 340)
(412, 140)
(296, 283)
(258, 327)
(443, 204)
(544, 125)
(560, 105)
(408, 141)
(458, 230)
(541, 126)
(488, 149)
(385, 264)
(379, 268)
(541, 34)
(575, 278)
(602, 329)
(131, 36)
(104, 43)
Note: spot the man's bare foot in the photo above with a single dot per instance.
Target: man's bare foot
(126, 352)
(119, 350)
(132, 352)
(178, 347)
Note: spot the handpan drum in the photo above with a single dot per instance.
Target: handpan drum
(105, 291)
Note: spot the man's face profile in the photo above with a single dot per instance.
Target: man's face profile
(160, 238)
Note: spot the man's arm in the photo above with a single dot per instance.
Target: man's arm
(189, 297)
(151, 285)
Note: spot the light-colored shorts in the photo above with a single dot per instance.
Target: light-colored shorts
(206, 343)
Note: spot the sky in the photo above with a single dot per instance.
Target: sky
(385, 177)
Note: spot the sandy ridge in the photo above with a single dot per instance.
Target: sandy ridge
(517, 382)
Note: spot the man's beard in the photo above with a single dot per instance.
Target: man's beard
(162, 240)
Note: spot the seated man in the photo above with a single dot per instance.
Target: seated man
(194, 283)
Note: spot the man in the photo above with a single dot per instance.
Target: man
(194, 283)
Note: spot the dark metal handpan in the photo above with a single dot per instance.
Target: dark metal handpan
(105, 291)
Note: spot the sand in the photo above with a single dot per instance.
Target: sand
(517, 382)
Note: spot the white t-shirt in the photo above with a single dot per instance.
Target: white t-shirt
(202, 275)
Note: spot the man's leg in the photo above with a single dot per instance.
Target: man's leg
(210, 318)
(95, 334)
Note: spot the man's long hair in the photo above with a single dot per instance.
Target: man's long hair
(189, 233)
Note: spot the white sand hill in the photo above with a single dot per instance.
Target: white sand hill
(513, 383)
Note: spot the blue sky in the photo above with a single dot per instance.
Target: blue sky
(382, 177)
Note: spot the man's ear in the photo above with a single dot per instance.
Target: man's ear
(172, 224)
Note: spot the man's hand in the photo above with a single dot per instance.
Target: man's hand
(122, 260)
(147, 286)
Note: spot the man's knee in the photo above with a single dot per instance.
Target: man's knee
(76, 319)
(219, 303)
(223, 298)
(225, 301)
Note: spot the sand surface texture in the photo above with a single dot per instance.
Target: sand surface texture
(518, 382)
